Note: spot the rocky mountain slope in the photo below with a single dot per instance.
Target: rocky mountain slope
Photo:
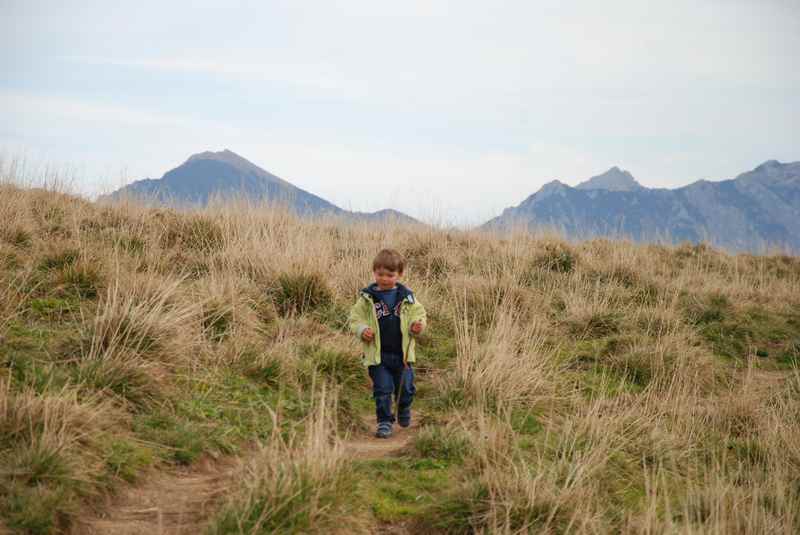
(756, 210)
(226, 174)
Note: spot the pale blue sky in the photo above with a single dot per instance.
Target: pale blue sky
(451, 110)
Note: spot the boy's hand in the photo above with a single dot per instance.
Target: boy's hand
(368, 335)
(417, 327)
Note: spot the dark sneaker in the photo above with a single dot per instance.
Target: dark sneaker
(404, 416)
(384, 431)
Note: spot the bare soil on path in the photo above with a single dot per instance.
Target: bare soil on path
(181, 502)
(365, 446)
(177, 502)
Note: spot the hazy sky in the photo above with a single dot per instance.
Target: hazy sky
(451, 110)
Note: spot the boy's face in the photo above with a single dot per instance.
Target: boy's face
(385, 278)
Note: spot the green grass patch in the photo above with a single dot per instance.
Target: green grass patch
(608, 367)
(402, 489)
(25, 337)
(602, 381)
(441, 444)
(30, 371)
(705, 310)
(82, 280)
(265, 371)
(525, 422)
(215, 413)
(736, 333)
(231, 407)
(42, 481)
(217, 321)
(25, 356)
(18, 237)
(58, 260)
(37, 510)
(125, 379)
(596, 325)
(341, 368)
(444, 397)
(436, 346)
(333, 315)
(455, 512)
(54, 308)
(126, 459)
(344, 372)
(179, 441)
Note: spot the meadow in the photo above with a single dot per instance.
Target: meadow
(563, 387)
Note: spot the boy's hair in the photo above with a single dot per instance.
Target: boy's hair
(389, 259)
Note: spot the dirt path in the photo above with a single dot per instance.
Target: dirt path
(365, 446)
(181, 502)
(174, 503)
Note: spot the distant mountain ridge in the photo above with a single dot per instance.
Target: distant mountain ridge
(757, 209)
(226, 174)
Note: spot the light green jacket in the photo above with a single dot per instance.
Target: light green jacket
(362, 316)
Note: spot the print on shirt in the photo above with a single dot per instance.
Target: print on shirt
(382, 310)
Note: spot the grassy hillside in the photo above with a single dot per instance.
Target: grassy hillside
(563, 388)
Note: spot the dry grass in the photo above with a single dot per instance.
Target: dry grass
(52, 455)
(505, 364)
(294, 484)
(589, 387)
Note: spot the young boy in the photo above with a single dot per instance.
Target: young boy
(386, 317)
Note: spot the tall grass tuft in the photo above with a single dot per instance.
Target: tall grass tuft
(505, 363)
(51, 455)
(297, 484)
(142, 319)
(297, 293)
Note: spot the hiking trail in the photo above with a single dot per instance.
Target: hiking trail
(364, 446)
(181, 501)
(175, 502)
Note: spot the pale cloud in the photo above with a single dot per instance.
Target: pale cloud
(43, 109)
(442, 109)
(319, 77)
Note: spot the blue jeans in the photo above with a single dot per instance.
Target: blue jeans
(386, 383)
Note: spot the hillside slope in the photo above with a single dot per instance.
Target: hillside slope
(604, 387)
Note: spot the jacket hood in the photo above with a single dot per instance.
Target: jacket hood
(403, 293)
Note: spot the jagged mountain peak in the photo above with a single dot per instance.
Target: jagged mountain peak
(615, 179)
(772, 172)
(554, 185)
(769, 164)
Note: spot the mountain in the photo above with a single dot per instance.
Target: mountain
(615, 179)
(757, 209)
(226, 174)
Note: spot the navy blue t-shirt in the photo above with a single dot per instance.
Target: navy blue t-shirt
(389, 322)
(388, 296)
